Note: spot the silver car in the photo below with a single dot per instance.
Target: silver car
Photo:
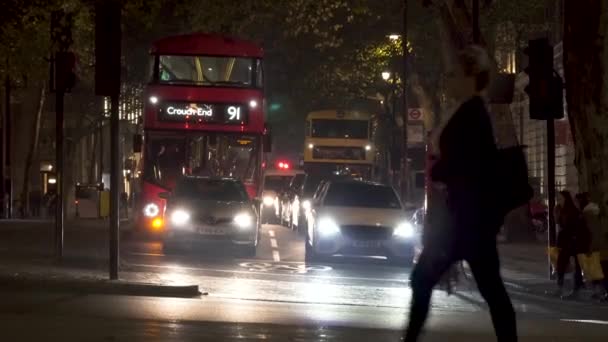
(211, 210)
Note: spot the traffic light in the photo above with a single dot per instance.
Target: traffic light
(545, 88)
(65, 75)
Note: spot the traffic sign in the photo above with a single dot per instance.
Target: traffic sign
(414, 114)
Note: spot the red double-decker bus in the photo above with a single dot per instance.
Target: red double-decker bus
(203, 115)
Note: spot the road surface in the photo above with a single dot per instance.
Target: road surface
(274, 296)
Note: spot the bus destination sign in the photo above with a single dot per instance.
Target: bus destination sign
(217, 113)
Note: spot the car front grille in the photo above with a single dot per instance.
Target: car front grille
(212, 221)
(366, 233)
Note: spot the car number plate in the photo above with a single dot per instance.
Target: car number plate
(211, 231)
(367, 244)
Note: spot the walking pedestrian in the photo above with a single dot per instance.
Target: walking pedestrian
(571, 241)
(466, 151)
(591, 218)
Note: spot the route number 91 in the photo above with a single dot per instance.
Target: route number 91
(234, 113)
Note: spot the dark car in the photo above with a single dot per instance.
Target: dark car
(211, 210)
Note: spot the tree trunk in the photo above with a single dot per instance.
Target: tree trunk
(33, 151)
(586, 73)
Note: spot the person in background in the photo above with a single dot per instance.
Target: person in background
(571, 240)
(591, 213)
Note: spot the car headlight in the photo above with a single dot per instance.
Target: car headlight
(405, 230)
(306, 204)
(268, 201)
(151, 210)
(180, 217)
(327, 227)
(243, 220)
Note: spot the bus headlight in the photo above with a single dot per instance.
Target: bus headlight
(151, 210)
(404, 230)
(268, 201)
(180, 217)
(243, 220)
(328, 227)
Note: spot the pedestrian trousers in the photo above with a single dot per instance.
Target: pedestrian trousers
(563, 259)
(485, 266)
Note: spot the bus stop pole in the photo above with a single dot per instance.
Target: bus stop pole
(114, 188)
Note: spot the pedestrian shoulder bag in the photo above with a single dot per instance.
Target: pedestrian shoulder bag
(511, 179)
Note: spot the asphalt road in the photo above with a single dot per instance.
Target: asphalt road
(274, 296)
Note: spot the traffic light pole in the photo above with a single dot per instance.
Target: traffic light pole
(59, 199)
(114, 188)
(404, 74)
(551, 184)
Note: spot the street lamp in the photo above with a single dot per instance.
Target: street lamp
(386, 75)
(394, 37)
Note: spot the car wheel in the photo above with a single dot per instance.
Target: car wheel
(310, 254)
(247, 251)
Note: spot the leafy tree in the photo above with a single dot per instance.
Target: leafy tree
(586, 73)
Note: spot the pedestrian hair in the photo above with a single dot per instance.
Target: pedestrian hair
(568, 201)
(475, 62)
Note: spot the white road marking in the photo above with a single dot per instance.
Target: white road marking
(307, 276)
(276, 256)
(589, 321)
(271, 233)
(273, 243)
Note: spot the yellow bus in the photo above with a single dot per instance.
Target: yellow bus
(339, 143)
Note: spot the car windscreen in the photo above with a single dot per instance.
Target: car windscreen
(310, 186)
(361, 195)
(211, 190)
(277, 183)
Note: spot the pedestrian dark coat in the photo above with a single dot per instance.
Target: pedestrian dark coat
(573, 235)
(465, 166)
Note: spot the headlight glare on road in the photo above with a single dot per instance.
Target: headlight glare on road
(268, 201)
(243, 220)
(179, 217)
(404, 230)
(151, 210)
(328, 227)
(306, 205)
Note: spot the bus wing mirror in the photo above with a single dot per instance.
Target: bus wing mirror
(164, 195)
(137, 143)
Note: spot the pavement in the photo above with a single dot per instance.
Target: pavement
(274, 296)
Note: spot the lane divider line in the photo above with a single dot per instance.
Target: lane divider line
(271, 233)
(273, 243)
(276, 256)
(588, 321)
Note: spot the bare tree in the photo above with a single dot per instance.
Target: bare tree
(586, 71)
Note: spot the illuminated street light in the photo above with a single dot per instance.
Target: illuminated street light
(386, 75)
(394, 37)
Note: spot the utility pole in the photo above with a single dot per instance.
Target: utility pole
(545, 92)
(5, 141)
(61, 37)
(405, 189)
(107, 83)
